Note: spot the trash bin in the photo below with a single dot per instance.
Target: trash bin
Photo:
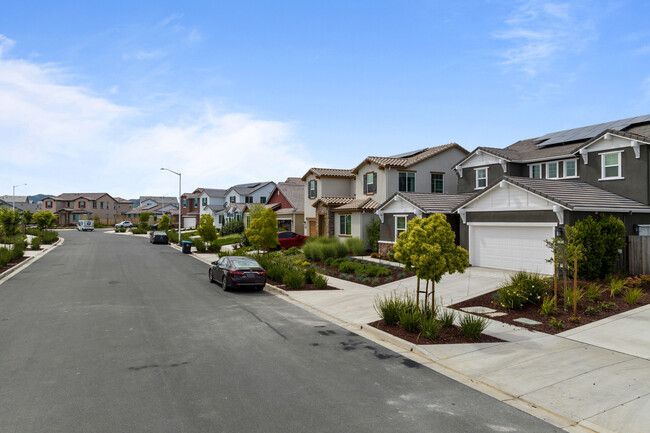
(187, 247)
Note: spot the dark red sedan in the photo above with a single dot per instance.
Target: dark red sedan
(291, 239)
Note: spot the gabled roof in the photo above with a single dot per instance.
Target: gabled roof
(216, 207)
(363, 204)
(294, 192)
(249, 188)
(333, 201)
(214, 192)
(71, 196)
(408, 159)
(15, 198)
(158, 199)
(20, 205)
(430, 203)
(191, 195)
(575, 196)
(329, 172)
(237, 207)
(631, 136)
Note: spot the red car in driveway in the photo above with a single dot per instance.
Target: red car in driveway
(291, 239)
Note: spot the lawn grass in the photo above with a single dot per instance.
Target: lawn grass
(228, 239)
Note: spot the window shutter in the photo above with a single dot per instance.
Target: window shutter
(365, 184)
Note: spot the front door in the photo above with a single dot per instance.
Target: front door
(312, 228)
(321, 225)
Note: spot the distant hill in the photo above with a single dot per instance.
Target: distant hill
(38, 197)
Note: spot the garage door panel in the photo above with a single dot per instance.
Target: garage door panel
(511, 247)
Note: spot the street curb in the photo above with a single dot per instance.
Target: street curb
(420, 356)
(9, 273)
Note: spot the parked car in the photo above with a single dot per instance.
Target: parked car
(158, 238)
(291, 239)
(124, 224)
(153, 226)
(84, 225)
(237, 271)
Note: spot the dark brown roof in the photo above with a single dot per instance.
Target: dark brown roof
(577, 195)
(409, 159)
(71, 196)
(329, 201)
(362, 204)
(329, 172)
(294, 191)
(431, 203)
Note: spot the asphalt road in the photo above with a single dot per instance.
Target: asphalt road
(109, 333)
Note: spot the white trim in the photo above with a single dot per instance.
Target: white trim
(564, 176)
(406, 221)
(477, 178)
(478, 197)
(386, 242)
(512, 224)
(619, 165)
(609, 135)
(530, 170)
(607, 209)
(557, 170)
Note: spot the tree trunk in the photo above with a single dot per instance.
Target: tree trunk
(575, 286)
(555, 279)
(417, 292)
(433, 298)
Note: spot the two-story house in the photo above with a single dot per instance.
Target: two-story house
(213, 202)
(287, 200)
(239, 196)
(191, 208)
(527, 192)
(325, 189)
(373, 181)
(72, 207)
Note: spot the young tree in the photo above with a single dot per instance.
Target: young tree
(428, 247)
(263, 231)
(372, 231)
(612, 231)
(44, 219)
(206, 228)
(9, 221)
(164, 223)
(256, 210)
(26, 217)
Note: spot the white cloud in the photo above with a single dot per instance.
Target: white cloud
(538, 32)
(58, 138)
(5, 44)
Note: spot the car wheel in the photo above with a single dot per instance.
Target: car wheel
(210, 276)
(260, 288)
(224, 283)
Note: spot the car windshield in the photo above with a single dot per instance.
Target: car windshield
(244, 263)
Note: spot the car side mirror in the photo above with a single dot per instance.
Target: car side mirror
(214, 263)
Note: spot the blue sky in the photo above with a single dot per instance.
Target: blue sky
(97, 97)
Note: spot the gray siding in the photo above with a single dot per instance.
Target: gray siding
(467, 183)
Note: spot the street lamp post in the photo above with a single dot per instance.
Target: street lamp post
(179, 202)
(13, 203)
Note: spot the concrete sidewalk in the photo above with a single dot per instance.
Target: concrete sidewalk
(592, 378)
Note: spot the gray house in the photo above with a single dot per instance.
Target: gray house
(527, 190)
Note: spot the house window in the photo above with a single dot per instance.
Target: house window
(406, 181)
(101, 204)
(94, 204)
(248, 220)
(552, 171)
(220, 219)
(82, 204)
(232, 199)
(249, 199)
(369, 183)
(400, 225)
(535, 171)
(311, 189)
(48, 204)
(345, 224)
(437, 183)
(611, 165)
(481, 177)
(67, 204)
(262, 200)
(570, 168)
(196, 202)
(204, 201)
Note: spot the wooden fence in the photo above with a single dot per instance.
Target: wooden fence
(638, 248)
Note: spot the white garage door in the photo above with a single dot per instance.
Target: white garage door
(516, 247)
(189, 222)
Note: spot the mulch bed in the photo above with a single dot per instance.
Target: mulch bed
(12, 264)
(397, 273)
(446, 335)
(304, 286)
(530, 311)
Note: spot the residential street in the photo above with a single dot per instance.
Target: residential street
(109, 333)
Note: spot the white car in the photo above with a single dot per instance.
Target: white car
(124, 224)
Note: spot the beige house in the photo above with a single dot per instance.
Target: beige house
(72, 207)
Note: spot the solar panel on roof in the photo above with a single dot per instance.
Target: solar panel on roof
(408, 154)
(590, 131)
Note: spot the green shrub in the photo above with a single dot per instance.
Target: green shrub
(579, 293)
(214, 248)
(340, 250)
(616, 286)
(612, 234)
(139, 231)
(556, 323)
(320, 281)
(593, 291)
(294, 278)
(232, 227)
(199, 244)
(310, 273)
(48, 237)
(548, 305)
(348, 267)
(36, 243)
(521, 288)
(372, 231)
(632, 296)
(472, 326)
(276, 271)
(606, 306)
(429, 327)
(590, 311)
(389, 308)
(446, 317)
(355, 246)
(409, 319)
